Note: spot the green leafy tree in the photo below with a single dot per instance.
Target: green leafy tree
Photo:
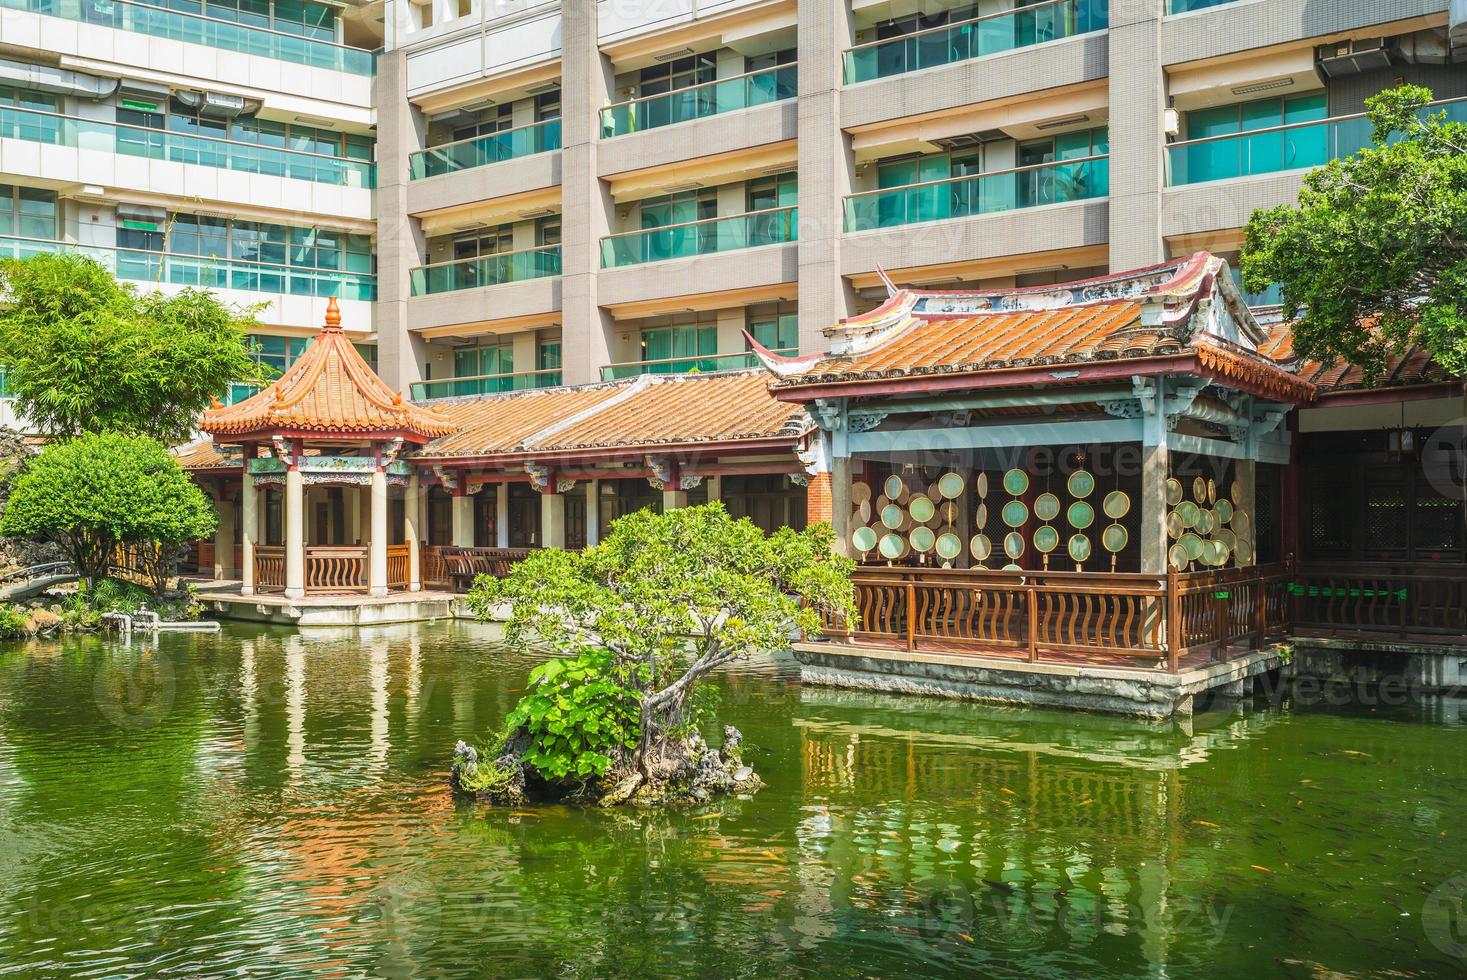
(87, 353)
(99, 491)
(1374, 257)
(645, 616)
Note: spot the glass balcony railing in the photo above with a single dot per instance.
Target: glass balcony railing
(698, 101)
(681, 241)
(1295, 146)
(990, 34)
(179, 25)
(161, 144)
(209, 272)
(485, 384)
(1187, 6)
(486, 270)
(683, 365)
(480, 151)
(961, 197)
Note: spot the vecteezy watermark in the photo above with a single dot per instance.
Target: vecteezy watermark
(1444, 917)
(138, 694)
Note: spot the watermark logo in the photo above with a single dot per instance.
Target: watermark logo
(1444, 917)
(138, 694)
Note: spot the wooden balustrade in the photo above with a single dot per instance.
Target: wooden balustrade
(336, 568)
(463, 565)
(433, 569)
(397, 566)
(1429, 601)
(269, 568)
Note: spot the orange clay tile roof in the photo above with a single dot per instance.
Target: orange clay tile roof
(651, 410)
(1415, 367)
(202, 454)
(329, 390)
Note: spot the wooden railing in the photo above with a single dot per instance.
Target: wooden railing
(269, 567)
(336, 568)
(397, 566)
(1118, 620)
(463, 565)
(1381, 599)
(433, 570)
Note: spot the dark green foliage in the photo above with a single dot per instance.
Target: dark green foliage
(86, 353)
(1374, 257)
(98, 491)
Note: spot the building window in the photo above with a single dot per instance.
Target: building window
(493, 119)
(474, 362)
(775, 326)
(547, 106)
(677, 74)
(278, 353)
(549, 360)
(34, 129)
(1259, 114)
(27, 212)
(483, 241)
(683, 344)
(1049, 185)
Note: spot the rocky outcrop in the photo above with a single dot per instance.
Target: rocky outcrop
(685, 773)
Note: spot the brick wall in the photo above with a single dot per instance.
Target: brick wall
(818, 500)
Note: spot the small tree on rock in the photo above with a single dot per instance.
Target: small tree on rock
(96, 492)
(638, 622)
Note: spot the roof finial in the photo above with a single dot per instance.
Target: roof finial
(333, 315)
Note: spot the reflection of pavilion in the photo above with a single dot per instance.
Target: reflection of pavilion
(320, 446)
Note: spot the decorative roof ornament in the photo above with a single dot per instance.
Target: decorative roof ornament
(328, 391)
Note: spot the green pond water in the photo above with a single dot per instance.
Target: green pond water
(263, 803)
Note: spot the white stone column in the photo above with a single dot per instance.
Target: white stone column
(295, 534)
(501, 515)
(463, 521)
(411, 509)
(552, 520)
(593, 513)
(377, 546)
(224, 539)
(249, 507)
(840, 504)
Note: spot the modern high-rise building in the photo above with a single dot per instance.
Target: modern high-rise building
(227, 145)
(508, 193)
(586, 190)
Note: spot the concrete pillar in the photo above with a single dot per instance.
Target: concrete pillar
(715, 487)
(593, 513)
(1155, 468)
(351, 515)
(501, 515)
(224, 539)
(377, 545)
(401, 129)
(673, 499)
(1245, 474)
(463, 520)
(412, 510)
(826, 165)
(840, 503)
(552, 520)
(295, 534)
(1137, 137)
(249, 534)
(586, 205)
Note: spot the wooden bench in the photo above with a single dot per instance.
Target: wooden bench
(466, 564)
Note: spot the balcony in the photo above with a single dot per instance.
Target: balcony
(960, 197)
(1294, 146)
(989, 34)
(205, 271)
(191, 28)
(159, 144)
(485, 384)
(700, 101)
(684, 365)
(480, 151)
(775, 226)
(486, 270)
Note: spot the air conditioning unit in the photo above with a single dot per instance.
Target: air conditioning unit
(1353, 57)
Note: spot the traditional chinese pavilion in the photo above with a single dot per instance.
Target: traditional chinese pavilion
(329, 434)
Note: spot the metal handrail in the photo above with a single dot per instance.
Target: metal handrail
(298, 270)
(994, 173)
(32, 572)
(1284, 127)
(746, 354)
(699, 221)
(246, 27)
(960, 23)
(701, 85)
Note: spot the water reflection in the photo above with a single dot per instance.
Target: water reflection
(276, 802)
